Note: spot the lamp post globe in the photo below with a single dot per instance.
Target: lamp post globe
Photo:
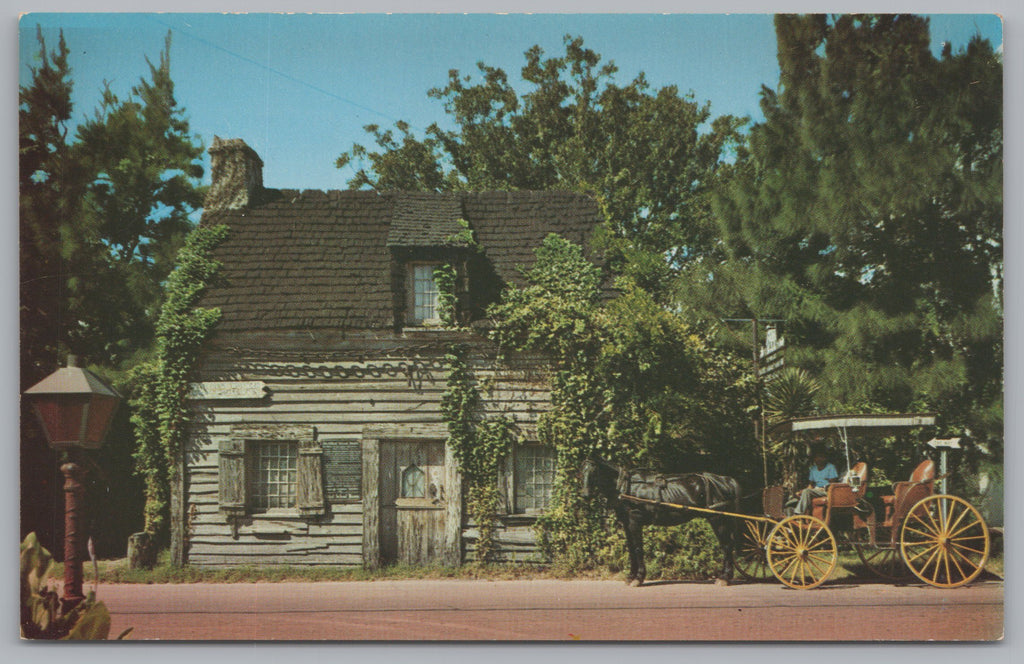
(75, 408)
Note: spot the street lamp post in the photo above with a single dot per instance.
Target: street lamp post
(75, 408)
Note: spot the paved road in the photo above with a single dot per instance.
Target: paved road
(553, 610)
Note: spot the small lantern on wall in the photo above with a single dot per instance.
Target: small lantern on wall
(74, 406)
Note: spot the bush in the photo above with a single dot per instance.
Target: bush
(690, 551)
(42, 616)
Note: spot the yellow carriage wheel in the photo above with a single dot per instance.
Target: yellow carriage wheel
(802, 552)
(751, 558)
(944, 541)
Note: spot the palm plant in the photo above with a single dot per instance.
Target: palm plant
(790, 394)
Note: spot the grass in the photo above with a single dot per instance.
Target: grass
(116, 571)
(849, 568)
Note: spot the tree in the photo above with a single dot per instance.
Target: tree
(101, 219)
(643, 153)
(631, 381)
(867, 212)
(142, 187)
(46, 201)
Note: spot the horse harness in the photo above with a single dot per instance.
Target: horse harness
(660, 482)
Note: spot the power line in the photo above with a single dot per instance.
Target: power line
(278, 72)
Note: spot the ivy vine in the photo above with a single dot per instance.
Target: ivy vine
(444, 279)
(479, 445)
(160, 414)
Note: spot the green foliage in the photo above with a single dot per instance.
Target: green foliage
(42, 616)
(150, 453)
(118, 202)
(102, 215)
(631, 381)
(688, 551)
(159, 408)
(444, 278)
(790, 394)
(478, 444)
(649, 156)
(45, 197)
(868, 214)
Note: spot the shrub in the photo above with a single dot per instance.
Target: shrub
(42, 616)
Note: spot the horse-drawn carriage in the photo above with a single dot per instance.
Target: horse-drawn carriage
(911, 530)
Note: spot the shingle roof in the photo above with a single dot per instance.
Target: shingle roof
(314, 259)
(425, 220)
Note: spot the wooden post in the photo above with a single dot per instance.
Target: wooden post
(177, 498)
(371, 503)
(453, 512)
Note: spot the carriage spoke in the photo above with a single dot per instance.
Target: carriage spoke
(798, 567)
(922, 553)
(934, 557)
(924, 523)
(945, 561)
(966, 528)
(812, 561)
(960, 518)
(967, 548)
(935, 527)
(919, 532)
(819, 545)
(953, 555)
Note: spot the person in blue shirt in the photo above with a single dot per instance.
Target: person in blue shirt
(819, 476)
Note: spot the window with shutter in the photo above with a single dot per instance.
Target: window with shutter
(271, 468)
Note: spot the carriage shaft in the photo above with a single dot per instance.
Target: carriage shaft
(706, 510)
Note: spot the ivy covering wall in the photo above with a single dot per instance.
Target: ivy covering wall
(160, 386)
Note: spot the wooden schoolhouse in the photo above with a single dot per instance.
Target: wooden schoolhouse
(317, 435)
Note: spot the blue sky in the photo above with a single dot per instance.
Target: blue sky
(299, 88)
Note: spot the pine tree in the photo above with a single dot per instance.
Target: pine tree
(46, 201)
(143, 185)
(867, 212)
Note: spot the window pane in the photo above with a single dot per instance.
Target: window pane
(413, 483)
(424, 293)
(274, 475)
(534, 475)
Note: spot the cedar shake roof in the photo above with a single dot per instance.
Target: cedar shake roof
(425, 220)
(314, 259)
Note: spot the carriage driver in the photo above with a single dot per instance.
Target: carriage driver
(820, 474)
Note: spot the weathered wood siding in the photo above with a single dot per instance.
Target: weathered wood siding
(344, 388)
(514, 541)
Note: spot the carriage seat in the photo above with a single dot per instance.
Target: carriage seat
(905, 494)
(842, 494)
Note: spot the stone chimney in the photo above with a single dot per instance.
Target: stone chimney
(237, 174)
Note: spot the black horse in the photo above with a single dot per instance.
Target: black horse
(706, 490)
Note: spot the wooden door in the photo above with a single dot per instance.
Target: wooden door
(413, 502)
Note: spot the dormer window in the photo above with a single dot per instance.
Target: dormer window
(423, 294)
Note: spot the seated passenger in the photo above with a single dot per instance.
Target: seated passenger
(820, 474)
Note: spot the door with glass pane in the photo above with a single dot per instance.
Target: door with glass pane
(412, 502)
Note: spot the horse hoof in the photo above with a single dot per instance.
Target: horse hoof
(724, 583)
(634, 583)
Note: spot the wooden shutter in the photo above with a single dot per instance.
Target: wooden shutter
(310, 492)
(231, 494)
